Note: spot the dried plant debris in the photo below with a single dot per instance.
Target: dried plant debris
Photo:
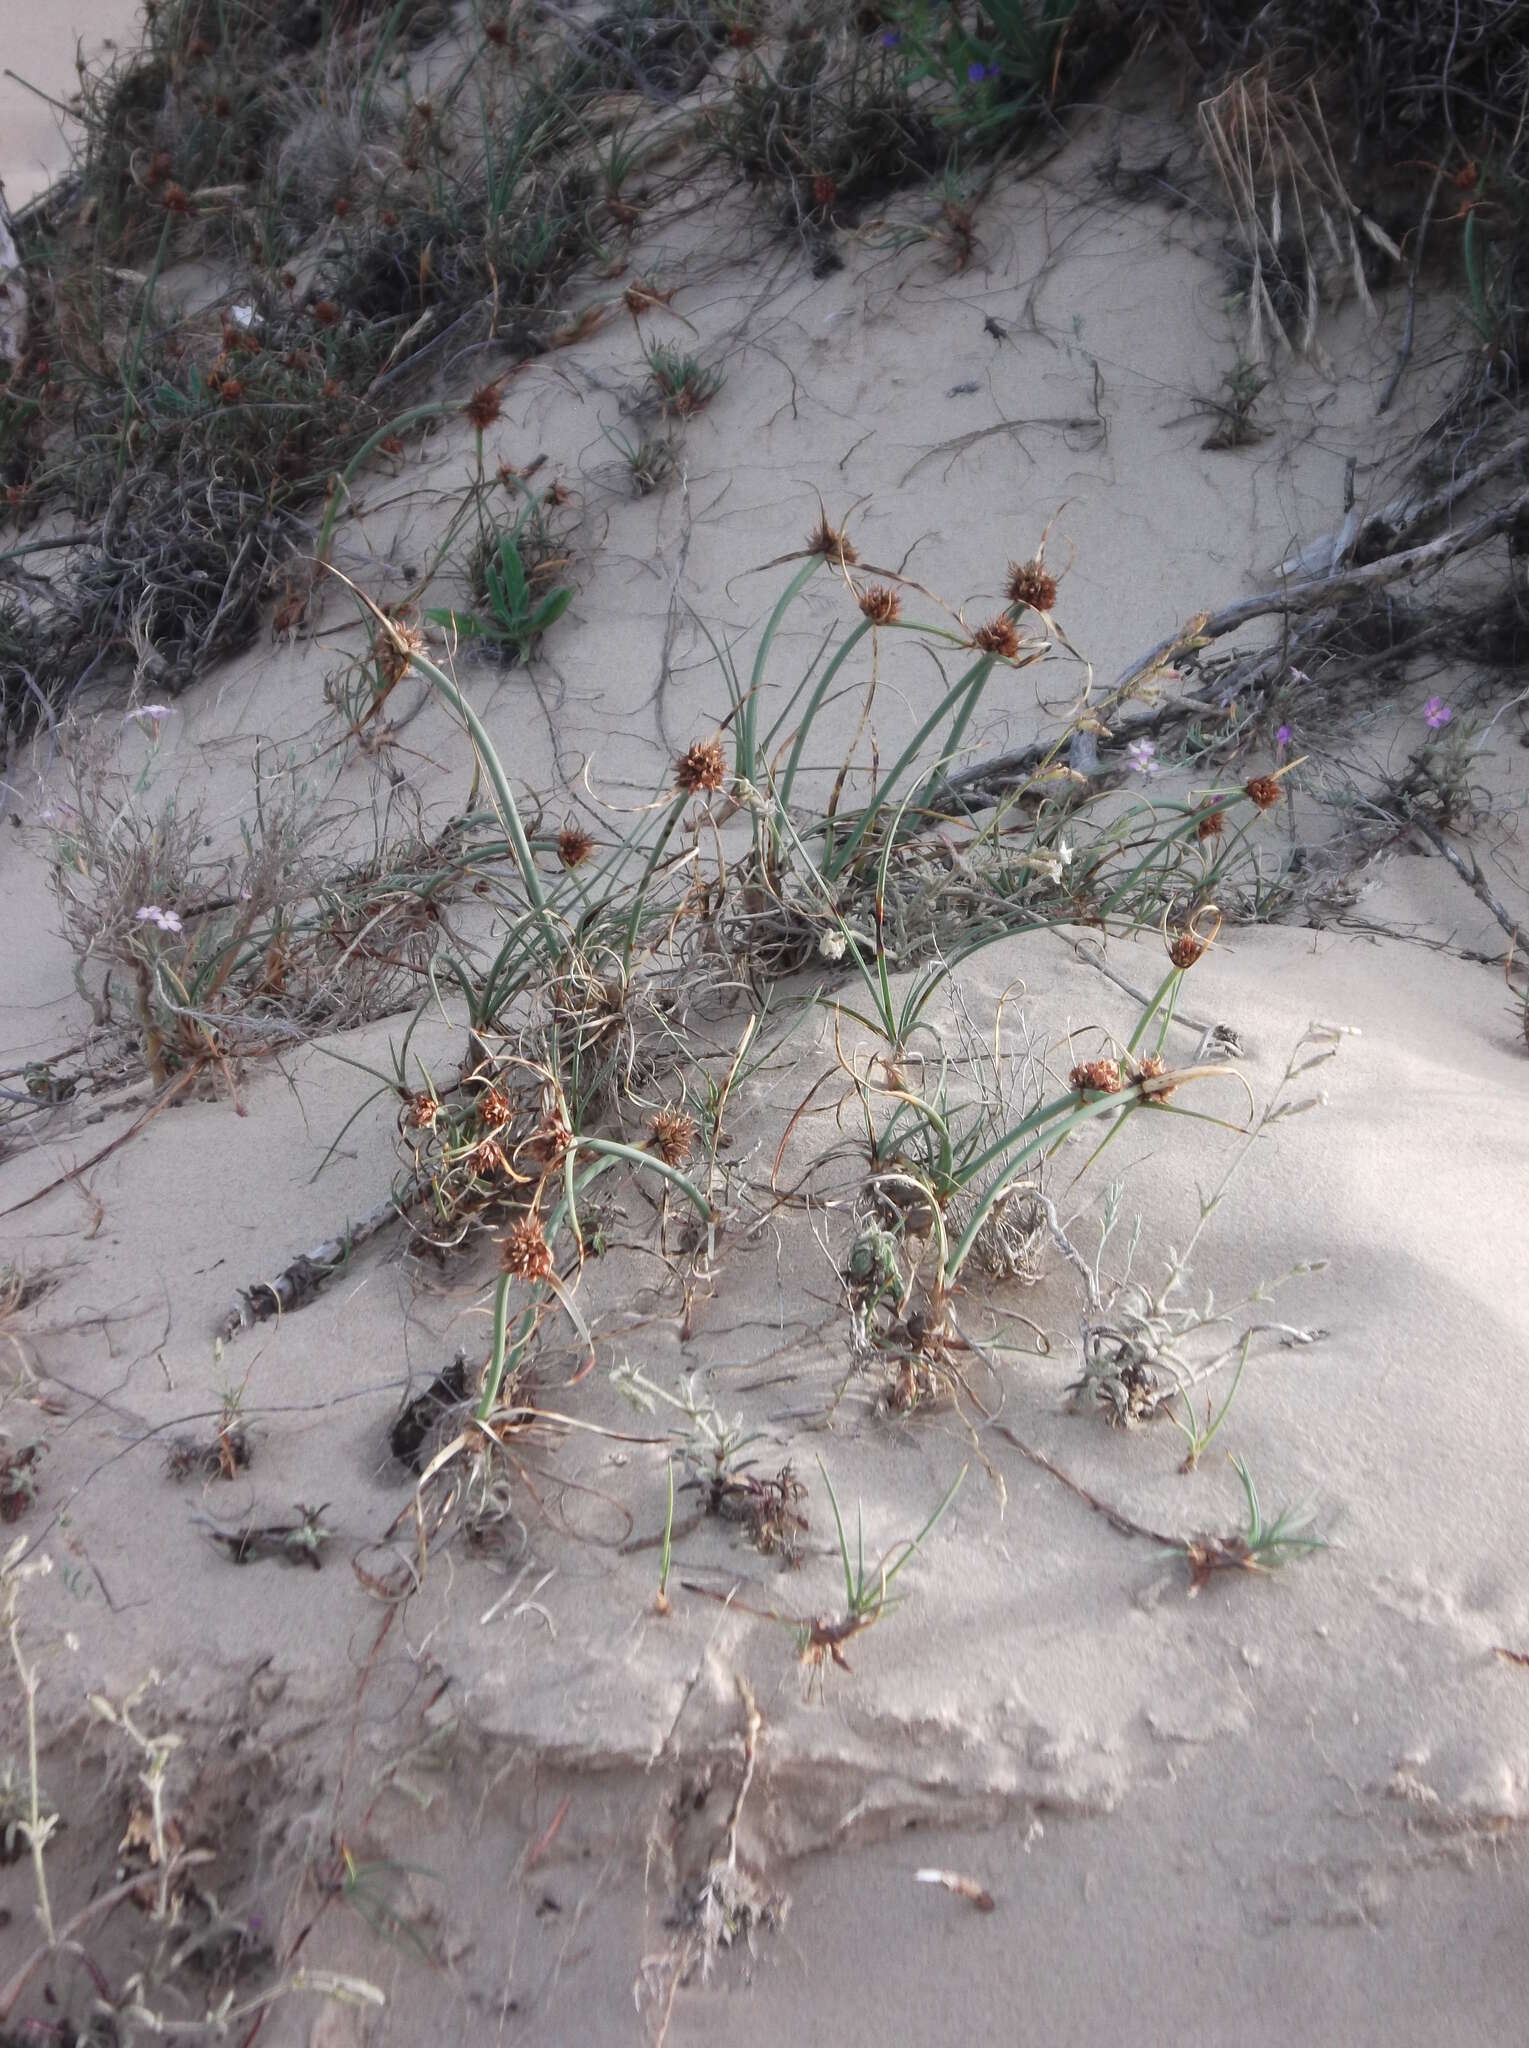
(420, 1418)
(769, 1509)
(966, 1888)
(296, 1542)
(224, 1457)
(18, 1479)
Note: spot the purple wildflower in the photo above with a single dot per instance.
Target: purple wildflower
(890, 38)
(1142, 755)
(1283, 738)
(1437, 713)
(978, 72)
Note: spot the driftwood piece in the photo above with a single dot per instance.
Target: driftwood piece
(299, 1282)
(989, 779)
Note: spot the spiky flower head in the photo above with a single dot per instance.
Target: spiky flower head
(881, 604)
(998, 636)
(1096, 1077)
(393, 647)
(574, 845)
(1211, 825)
(673, 1135)
(1153, 1068)
(835, 547)
(1264, 791)
(702, 767)
(524, 1251)
(485, 406)
(494, 1108)
(547, 1146)
(1032, 585)
(419, 1112)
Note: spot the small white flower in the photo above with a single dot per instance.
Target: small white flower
(833, 945)
(166, 920)
(1064, 853)
(149, 714)
(243, 316)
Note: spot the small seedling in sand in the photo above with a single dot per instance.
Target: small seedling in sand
(1243, 386)
(821, 1641)
(299, 1542)
(1262, 1547)
(661, 1599)
(650, 460)
(821, 1638)
(679, 383)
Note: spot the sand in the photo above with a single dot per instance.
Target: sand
(40, 48)
(1289, 1808)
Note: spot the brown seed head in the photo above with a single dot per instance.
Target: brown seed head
(1096, 1077)
(574, 846)
(230, 391)
(326, 312)
(1032, 584)
(176, 200)
(221, 105)
(701, 768)
(1152, 1068)
(484, 407)
(1185, 948)
(333, 388)
(673, 1134)
(548, 1144)
(392, 648)
(1211, 825)
(1264, 790)
(497, 33)
(341, 207)
(998, 636)
(494, 1108)
(198, 47)
(824, 191)
(420, 1112)
(833, 546)
(880, 604)
(158, 170)
(525, 1252)
(486, 1160)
